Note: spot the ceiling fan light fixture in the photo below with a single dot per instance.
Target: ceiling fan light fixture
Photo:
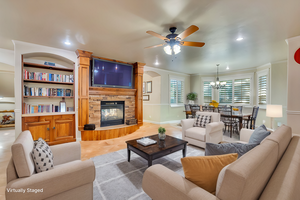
(168, 50)
(176, 49)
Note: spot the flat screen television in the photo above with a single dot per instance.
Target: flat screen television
(111, 74)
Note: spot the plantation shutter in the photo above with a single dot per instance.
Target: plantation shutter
(225, 94)
(262, 90)
(176, 91)
(173, 91)
(242, 91)
(207, 92)
(180, 91)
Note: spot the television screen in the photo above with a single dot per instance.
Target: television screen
(111, 74)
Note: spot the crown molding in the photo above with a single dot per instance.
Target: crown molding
(148, 68)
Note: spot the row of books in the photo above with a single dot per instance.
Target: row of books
(42, 108)
(37, 91)
(48, 77)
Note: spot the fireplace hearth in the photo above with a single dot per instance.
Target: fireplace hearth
(112, 113)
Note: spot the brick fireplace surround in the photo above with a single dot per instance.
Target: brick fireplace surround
(95, 106)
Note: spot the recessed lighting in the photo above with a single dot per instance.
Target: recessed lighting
(68, 43)
(156, 63)
(227, 67)
(239, 39)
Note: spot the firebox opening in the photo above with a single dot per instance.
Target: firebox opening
(112, 113)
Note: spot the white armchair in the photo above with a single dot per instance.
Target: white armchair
(199, 136)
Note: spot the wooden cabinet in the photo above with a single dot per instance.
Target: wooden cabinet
(54, 129)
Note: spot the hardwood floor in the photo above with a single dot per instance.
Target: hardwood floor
(91, 149)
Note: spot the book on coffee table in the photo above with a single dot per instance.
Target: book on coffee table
(146, 141)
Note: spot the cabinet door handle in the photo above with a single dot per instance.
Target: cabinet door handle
(53, 127)
(48, 129)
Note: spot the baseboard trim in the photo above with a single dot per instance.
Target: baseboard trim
(165, 122)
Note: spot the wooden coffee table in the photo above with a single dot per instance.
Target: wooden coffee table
(158, 150)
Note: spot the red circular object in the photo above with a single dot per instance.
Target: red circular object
(297, 56)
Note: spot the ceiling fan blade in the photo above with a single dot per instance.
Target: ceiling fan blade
(190, 30)
(192, 44)
(159, 45)
(157, 35)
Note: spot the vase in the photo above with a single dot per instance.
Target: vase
(161, 136)
(191, 102)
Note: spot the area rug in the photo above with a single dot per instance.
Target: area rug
(118, 179)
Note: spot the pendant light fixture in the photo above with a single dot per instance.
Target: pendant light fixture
(217, 85)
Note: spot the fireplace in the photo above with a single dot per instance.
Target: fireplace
(112, 113)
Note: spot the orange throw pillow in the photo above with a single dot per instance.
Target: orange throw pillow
(204, 170)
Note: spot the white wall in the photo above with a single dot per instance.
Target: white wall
(22, 48)
(167, 113)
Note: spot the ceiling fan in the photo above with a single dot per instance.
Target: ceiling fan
(173, 41)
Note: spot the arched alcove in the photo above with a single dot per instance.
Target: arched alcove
(152, 107)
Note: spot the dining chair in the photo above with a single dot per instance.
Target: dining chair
(231, 123)
(188, 112)
(194, 109)
(208, 108)
(251, 121)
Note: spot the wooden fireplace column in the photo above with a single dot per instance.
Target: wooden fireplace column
(83, 87)
(138, 85)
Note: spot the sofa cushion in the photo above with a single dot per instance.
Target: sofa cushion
(226, 148)
(204, 170)
(202, 120)
(282, 137)
(259, 134)
(42, 156)
(284, 182)
(21, 154)
(246, 178)
(196, 133)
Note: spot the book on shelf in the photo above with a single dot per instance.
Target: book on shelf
(40, 76)
(37, 91)
(42, 108)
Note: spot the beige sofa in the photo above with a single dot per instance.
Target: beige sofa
(198, 136)
(71, 178)
(270, 171)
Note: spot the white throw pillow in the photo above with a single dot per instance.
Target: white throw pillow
(202, 120)
(42, 156)
(220, 179)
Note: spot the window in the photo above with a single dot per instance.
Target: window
(262, 90)
(207, 92)
(225, 94)
(176, 91)
(242, 91)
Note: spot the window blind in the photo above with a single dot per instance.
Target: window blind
(207, 92)
(180, 91)
(176, 91)
(262, 90)
(242, 91)
(225, 94)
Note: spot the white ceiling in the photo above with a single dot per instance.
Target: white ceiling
(117, 29)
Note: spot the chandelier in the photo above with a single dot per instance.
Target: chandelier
(217, 85)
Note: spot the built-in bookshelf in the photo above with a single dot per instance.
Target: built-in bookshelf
(44, 87)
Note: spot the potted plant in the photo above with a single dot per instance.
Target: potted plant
(161, 133)
(192, 96)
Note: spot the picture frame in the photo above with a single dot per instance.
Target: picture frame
(144, 87)
(149, 86)
(7, 118)
(146, 97)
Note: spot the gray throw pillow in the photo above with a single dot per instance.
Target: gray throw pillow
(227, 148)
(259, 134)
